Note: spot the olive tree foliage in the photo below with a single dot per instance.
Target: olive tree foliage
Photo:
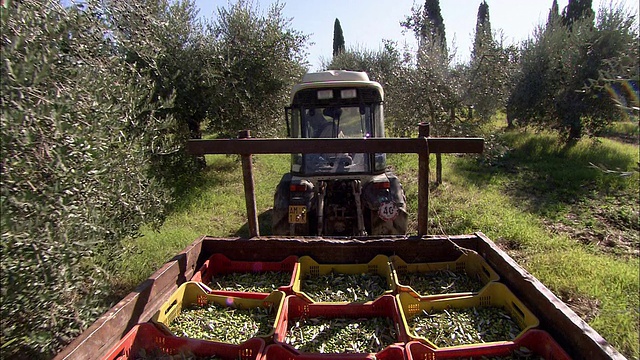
(569, 68)
(433, 87)
(421, 85)
(174, 52)
(385, 66)
(381, 65)
(489, 74)
(80, 129)
(257, 60)
(619, 75)
(489, 78)
(180, 69)
(433, 91)
(413, 93)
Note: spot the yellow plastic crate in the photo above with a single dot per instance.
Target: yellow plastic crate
(310, 268)
(493, 295)
(471, 264)
(191, 293)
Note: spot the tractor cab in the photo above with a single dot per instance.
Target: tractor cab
(338, 194)
(336, 104)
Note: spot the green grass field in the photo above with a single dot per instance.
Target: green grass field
(568, 215)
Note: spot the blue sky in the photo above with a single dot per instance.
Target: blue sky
(365, 23)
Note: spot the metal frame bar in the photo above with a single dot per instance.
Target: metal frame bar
(423, 146)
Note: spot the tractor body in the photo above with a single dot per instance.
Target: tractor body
(338, 194)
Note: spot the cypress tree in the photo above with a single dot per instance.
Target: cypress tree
(554, 13)
(575, 10)
(338, 38)
(433, 24)
(483, 37)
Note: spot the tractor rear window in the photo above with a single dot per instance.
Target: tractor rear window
(337, 122)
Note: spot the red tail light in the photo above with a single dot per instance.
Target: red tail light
(297, 188)
(381, 185)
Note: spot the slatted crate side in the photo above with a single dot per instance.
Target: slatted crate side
(308, 267)
(496, 294)
(148, 338)
(538, 342)
(469, 263)
(285, 352)
(219, 264)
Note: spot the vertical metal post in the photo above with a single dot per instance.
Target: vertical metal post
(424, 131)
(438, 168)
(423, 181)
(249, 192)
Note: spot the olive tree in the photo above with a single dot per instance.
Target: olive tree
(388, 67)
(173, 50)
(432, 87)
(80, 128)
(433, 91)
(257, 60)
(568, 69)
(381, 65)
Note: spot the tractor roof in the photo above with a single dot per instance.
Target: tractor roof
(335, 78)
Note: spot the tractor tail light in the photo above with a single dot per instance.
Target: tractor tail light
(382, 185)
(297, 188)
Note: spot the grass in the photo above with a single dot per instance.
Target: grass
(624, 130)
(567, 214)
(573, 226)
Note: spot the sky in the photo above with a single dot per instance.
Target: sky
(365, 23)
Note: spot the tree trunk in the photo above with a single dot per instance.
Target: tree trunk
(575, 126)
(432, 111)
(196, 133)
(509, 121)
(575, 132)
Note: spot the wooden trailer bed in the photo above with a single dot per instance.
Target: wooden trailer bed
(577, 338)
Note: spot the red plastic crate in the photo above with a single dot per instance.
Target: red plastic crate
(296, 307)
(285, 352)
(218, 264)
(146, 336)
(538, 341)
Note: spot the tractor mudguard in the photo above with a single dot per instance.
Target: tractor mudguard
(396, 190)
(281, 197)
(373, 198)
(284, 198)
(280, 214)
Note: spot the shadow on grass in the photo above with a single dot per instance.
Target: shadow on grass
(546, 174)
(264, 226)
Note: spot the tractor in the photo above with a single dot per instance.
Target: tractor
(338, 194)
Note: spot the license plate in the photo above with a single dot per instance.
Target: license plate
(297, 214)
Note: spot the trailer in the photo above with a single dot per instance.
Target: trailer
(574, 335)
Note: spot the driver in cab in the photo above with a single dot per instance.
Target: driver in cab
(323, 128)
